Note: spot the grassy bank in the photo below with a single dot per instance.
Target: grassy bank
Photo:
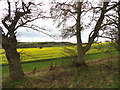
(100, 74)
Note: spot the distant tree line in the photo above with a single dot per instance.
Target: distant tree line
(45, 44)
(42, 44)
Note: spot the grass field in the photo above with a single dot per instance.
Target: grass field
(55, 54)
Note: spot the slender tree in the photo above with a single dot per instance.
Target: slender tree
(64, 11)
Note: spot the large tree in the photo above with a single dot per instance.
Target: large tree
(64, 12)
(19, 14)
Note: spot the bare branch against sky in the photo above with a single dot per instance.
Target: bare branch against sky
(33, 36)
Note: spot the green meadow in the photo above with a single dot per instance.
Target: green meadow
(31, 57)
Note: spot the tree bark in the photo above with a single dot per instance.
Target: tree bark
(13, 57)
(9, 42)
(80, 49)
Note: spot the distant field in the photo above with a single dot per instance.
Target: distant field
(35, 54)
(56, 54)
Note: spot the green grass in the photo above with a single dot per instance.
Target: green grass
(27, 67)
(96, 76)
(101, 55)
(100, 75)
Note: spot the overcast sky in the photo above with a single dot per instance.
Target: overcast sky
(29, 35)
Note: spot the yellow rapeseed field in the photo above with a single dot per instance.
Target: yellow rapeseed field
(34, 54)
(31, 54)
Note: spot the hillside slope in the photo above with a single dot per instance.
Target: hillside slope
(100, 74)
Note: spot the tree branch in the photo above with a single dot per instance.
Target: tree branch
(106, 37)
(113, 7)
(97, 27)
(38, 29)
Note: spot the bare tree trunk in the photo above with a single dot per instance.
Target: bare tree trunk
(10, 47)
(80, 58)
(80, 49)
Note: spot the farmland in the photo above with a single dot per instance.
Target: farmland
(48, 53)
(56, 56)
(31, 57)
(34, 54)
